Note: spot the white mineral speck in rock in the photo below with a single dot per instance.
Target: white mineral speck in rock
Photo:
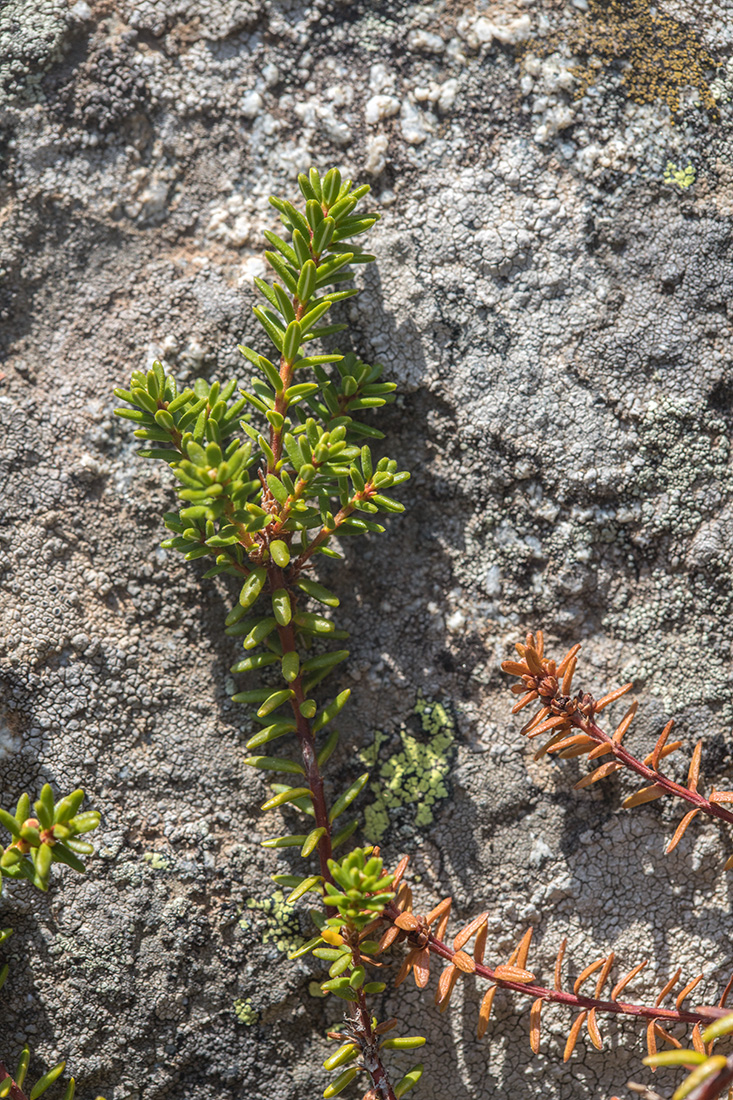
(251, 104)
(376, 154)
(81, 11)
(381, 106)
(425, 41)
(252, 268)
(456, 620)
(484, 30)
(411, 124)
(447, 96)
(270, 74)
(380, 78)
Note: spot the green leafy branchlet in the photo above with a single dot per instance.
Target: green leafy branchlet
(45, 834)
(268, 476)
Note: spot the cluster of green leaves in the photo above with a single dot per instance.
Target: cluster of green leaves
(52, 836)
(359, 892)
(705, 1066)
(13, 1085)
(267, 477)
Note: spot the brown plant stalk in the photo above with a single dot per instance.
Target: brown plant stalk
(570, 721)
(416, 932)
(15, 1092)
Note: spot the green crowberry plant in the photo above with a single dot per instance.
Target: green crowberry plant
(53, 835)
(269, 478)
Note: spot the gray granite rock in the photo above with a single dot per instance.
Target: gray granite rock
(552, 295)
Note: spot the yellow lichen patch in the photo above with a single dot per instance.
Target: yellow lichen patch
(279, 922)
(414, 776)
(657, 55)
(682, 177)
(245, 1013)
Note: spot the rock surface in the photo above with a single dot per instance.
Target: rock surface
(552, 295)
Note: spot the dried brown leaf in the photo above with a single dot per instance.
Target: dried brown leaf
(551, 723)
(668, 987)
(655, 755)
(573, 1036)
(680, 831)
(603, 976)
(697, 1042)
(523, 949)
(567, 659)
(651, 1041)
(721, 796)
(479, 946)
(530, 698)
(534, 661)
(534, 1025)
(514, 668)
(600, 750)
(485, 1011)
(693, 774)
(666, 751)
(548, 745)
(567, 679)
(465, 934)
(452, 977)
(388, 938)
(464, 962)
(666, 1037)
(646, 794)
(612, 697)
(403, 900)
(621, 985)
(591, 969)
(582, 745)
(558, 964)
(595, 1035)
(625, 723)
(407, 922)
(600, 773)
(506, 972)
(440, 910)
(400, 870)
(407, 964)
(686, 991)
(421, 969)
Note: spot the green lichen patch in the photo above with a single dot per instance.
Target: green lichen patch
(157, 861)
(279, 922)
(415, 776)
(656, 55)
(682, 177)
(245, 1013)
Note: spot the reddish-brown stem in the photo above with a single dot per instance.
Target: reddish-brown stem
(366, 493)
(589, 727)
(702, 1015)
(303, 731)
(369, 1043)
(715, 1085)
(15, 1092)
(281, 402)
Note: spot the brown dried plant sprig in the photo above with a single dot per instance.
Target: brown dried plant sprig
(423, 935)
(570, 721)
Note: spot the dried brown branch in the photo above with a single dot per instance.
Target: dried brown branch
(571, 722)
